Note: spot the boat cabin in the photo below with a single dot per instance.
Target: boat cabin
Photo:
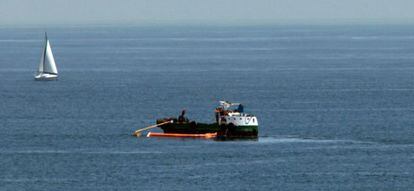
(233, 114)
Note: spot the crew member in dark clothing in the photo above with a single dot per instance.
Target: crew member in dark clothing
(218, 112)
(240, 109)
(181, 118)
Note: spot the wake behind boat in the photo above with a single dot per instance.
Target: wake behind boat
(47, 67)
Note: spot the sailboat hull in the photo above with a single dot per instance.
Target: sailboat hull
(46, 77)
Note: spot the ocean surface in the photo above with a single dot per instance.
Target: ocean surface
(335, 106)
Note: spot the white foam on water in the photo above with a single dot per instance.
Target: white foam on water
(292, 140)
(303, 140)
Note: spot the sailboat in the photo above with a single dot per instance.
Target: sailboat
(47, 67)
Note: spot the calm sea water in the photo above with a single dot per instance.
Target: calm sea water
(335, 106)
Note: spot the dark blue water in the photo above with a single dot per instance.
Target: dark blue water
(335, 106)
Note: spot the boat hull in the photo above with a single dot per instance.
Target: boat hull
(46, 77)
(238, 132)
(223, 131)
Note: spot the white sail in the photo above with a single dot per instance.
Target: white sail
(47, 62)
(50, 65)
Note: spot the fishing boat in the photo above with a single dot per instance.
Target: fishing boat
(230, 122)
(47, 67)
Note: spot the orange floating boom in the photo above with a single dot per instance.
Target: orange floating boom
(181, 135)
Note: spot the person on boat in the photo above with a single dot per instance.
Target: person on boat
(218, 112)
(240, 109)
(181, 118)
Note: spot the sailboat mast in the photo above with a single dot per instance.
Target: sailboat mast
(44, 52)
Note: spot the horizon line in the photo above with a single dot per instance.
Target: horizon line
(293, 22)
